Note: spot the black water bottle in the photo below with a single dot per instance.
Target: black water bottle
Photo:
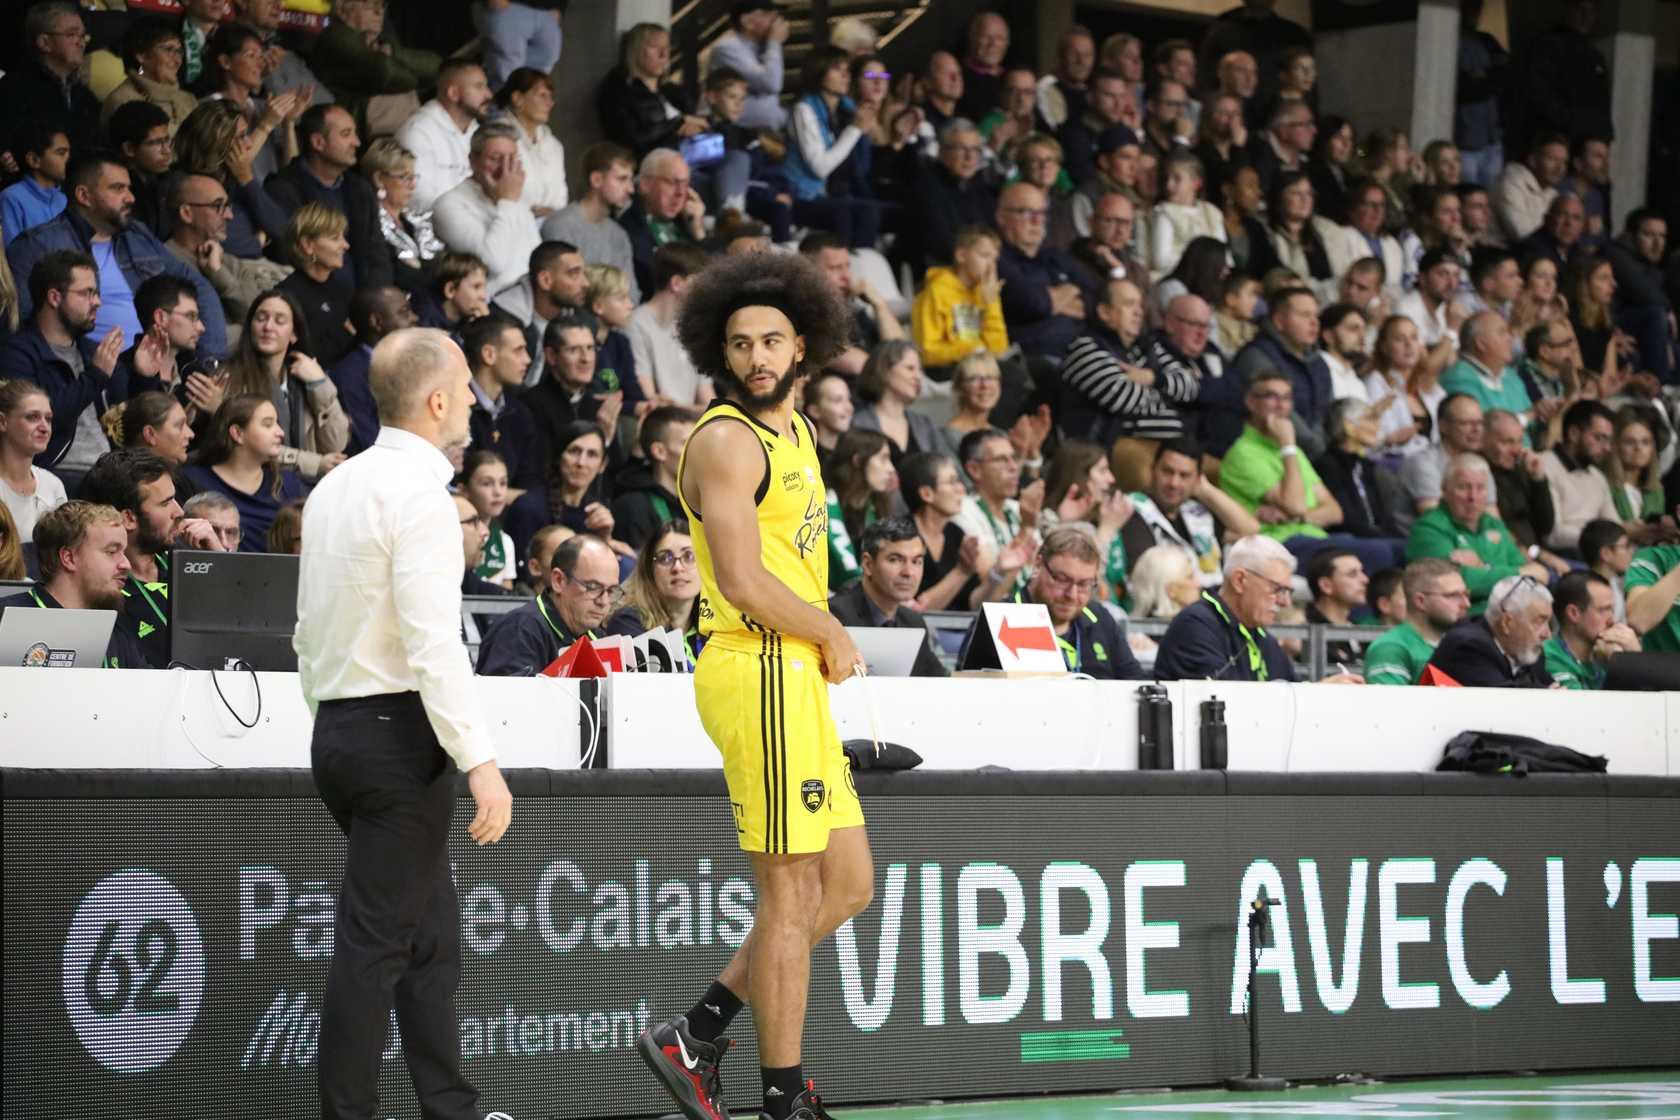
(1155, 738)
(1213, 734)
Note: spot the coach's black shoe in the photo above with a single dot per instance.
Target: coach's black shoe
(806, 1106)
(687, 1067)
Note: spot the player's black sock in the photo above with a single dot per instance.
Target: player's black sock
(781, 1086)
(712, 1015)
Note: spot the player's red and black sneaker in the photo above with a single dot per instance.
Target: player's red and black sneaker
(687, 1067)
(806, 1106)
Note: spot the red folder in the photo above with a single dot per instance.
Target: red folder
(580, 659)
(1434, 676)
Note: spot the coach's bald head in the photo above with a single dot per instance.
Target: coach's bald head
(421, 383)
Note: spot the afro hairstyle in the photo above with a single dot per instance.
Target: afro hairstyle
(787, 282)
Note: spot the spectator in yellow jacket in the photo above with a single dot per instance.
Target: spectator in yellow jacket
(960, 310)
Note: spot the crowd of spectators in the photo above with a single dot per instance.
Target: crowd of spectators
(1155, 335)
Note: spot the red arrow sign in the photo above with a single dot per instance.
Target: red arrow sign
(1018, 638)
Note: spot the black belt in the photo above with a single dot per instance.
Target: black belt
(379, 702)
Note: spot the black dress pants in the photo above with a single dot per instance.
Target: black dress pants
(397, 941)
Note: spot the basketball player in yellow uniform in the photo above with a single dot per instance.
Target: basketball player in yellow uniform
(749, 481)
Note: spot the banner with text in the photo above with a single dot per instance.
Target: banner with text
(166, 956)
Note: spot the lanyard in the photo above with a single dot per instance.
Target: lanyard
(998, 534)
(1070, 651)
(542, 609)
(1256, 663)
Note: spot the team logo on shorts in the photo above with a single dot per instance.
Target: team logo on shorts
(813, 794)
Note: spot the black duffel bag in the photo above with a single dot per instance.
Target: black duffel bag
(1498, 752)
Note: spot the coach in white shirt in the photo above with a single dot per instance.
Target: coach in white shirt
(484, 215)
(439, 131)
(382, 667)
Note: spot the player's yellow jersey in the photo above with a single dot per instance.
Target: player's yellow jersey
(792, 529)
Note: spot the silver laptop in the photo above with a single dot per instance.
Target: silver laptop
(888, 651)
(42, 637)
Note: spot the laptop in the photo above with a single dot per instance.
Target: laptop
(888, 651)
(1643, 672)
(234, 609)
(949, 629)
(47, 638)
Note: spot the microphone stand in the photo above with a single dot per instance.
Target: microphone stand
(1259, 936)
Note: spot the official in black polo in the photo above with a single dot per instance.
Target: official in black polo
(1064, 580)
(1222, 636)
(582, 594)
(80, 546)
(892, 554)
(137, 483)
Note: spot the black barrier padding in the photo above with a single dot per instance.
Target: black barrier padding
(1633, 785)
(1042, 783)
(1533, 785)
(1266, 783)
(164, 955)
(36, 784)
(231, 783)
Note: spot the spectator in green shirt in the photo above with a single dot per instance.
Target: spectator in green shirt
(1267, 474)
(1265, 471)
(1652, 587)
(1587, 632)
(1483, 370)
(1462, 529)
(1436, 600)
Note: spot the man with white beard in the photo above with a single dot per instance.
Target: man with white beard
(1503, 648)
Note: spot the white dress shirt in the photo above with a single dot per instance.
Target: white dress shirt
(379, 591)
(440, 153)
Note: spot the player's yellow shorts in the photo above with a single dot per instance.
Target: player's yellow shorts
(767, 712)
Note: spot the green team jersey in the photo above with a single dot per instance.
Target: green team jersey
(1650, 565)
(1398, 657)
(1436, 534)
(1510, 395)
(1568, 671)
(843, 566)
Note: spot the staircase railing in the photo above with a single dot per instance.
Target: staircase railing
(695, 25)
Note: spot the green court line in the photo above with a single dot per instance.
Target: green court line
(1073, 1046)
(1541, 1097)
